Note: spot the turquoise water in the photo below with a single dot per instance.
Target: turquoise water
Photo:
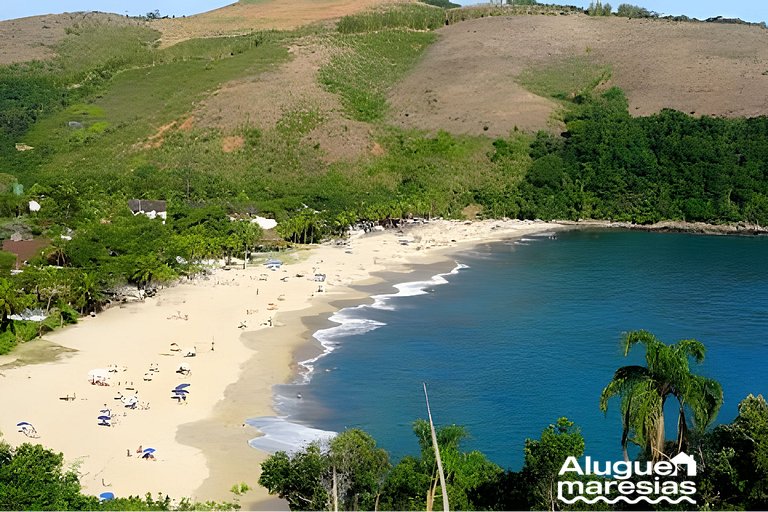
(530, 332)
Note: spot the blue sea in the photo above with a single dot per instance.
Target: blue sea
(520, 333)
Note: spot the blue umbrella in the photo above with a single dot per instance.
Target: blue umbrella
(104, 418)
(180, 391)
(182, 386)
(149, 450)
(106, 496)
(23, 423)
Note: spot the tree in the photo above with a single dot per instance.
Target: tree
(33, 478)
(644, 390)
(297, 478)
(358, 470)
(11, 302)
(633, 11)
(734, 470)
(464, 471)
(543, 459)
(149, 268)
(349, 468)
(86, 292)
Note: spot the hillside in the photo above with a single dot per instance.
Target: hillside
(247, 15)
(468, 81)
(35, 37)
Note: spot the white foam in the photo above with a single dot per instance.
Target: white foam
(283, 435)
(328, 338)
(350, 323)
(413, 288)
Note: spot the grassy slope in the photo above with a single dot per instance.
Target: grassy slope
(274, 170)
(136, 102)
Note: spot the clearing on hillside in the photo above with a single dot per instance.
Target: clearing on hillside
(466, 82)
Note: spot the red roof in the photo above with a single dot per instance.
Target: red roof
(25, 249)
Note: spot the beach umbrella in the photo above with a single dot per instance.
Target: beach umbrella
(106, 496)
(149, 450)
(23, 424)
(182, 386)
(104, 418)
(180, 391)
(106, 411)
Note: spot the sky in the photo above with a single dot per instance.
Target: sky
(749, 10)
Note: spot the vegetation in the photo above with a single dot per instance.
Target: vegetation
(405, 16)
(597, 8)
(368, 65)
(33, 477)
(633, 11)
(666, 166)
(565, 79)
(644, 391)
(445, 4)
(517, 7)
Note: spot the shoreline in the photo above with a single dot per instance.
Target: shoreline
(674, 226)
(299, 327)
(206, 439)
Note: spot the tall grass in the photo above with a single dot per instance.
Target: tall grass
(133, 104)
(485, 11)
(408, 16)
(102, 46)
(565, 78)
(367, 65)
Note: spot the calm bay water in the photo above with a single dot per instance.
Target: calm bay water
(530, 332)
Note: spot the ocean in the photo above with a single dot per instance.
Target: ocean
(520, 333)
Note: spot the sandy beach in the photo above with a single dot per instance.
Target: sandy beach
(244, 327)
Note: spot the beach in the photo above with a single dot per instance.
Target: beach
(244, 327)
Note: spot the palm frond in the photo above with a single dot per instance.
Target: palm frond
(623, 380)
(691, 348)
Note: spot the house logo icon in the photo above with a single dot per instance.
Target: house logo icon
(683, 459)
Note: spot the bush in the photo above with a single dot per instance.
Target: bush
(634, 11)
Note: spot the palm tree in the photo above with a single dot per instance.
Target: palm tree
(645, 389)
(87, 292)
(11, 302)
